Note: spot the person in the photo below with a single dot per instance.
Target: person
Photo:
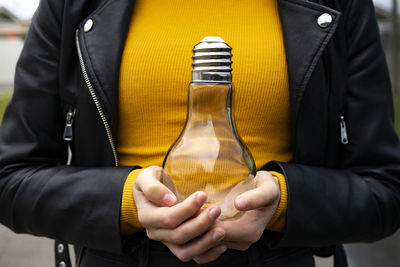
(107, 80)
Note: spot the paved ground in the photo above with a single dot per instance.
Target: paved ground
(24, 250)
(28, 251)
(385, 252)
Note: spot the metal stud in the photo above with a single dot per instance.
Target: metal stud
(62, 264)
(88, 25)
(60, 248)
(325, 20)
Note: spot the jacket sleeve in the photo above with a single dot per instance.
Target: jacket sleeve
(38, 194)
(360, 202)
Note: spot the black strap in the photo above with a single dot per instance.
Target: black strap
(61, 253)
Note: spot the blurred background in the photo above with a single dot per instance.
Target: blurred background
(24, 250)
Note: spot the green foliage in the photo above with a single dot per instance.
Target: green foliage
(4, 98)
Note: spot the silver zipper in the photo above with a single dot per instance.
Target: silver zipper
(343, 131)
(95, 99)
(69, 120)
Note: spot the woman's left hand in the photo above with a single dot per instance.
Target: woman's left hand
(260, 205)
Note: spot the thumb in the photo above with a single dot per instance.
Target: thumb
(266, 192)
(148, 182)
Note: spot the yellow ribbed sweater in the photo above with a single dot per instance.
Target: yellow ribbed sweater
(156, 71)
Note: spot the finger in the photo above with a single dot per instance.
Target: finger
(188, 230)
(171, 217)
(267, 191)
(211, 255)
(148, 182)
(198, 246)
(248, 228)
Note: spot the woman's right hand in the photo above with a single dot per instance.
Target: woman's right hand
(183, 227)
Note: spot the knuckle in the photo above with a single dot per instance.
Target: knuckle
(141, 176)
(273, 192)
(244, 246)
(198, 260)
(253, 239)
(203, 260)
(150, 235)
(263, 175)
(168, 222)
(183, 256)
(257, 199)
(176, 238)
(155, 169)
(258, 194)
(151, 190)
(145, 219)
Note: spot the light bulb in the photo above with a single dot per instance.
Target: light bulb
(209, 154)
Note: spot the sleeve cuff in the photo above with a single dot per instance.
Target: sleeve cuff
(278, 221)
(129, 219)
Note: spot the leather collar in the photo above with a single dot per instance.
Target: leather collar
(304, 39)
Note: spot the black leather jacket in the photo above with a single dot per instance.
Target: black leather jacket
(339, 84)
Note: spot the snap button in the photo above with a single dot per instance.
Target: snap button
(62, 264)
(60, 248)
(88, 25)
(324, 20)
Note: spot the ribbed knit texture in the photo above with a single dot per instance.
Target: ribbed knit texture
(156, 71)
(129, 219)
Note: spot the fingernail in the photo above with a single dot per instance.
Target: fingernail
(200, 198)
(242, 203)
(168, 199)
(214, 213)
(217, 235)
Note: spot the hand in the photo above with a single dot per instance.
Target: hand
(260, 205)
(183, 227)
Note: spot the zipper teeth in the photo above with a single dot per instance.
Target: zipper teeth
(96, 100)
(78, 262)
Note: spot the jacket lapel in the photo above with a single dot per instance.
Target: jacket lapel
(102, 47)
(305, 41)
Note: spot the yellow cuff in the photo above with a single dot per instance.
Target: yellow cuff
(278, 221)
(129, 219)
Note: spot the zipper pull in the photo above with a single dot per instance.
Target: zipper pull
(69, 120)
(343, 131)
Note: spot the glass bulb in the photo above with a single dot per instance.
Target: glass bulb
(209, 155)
